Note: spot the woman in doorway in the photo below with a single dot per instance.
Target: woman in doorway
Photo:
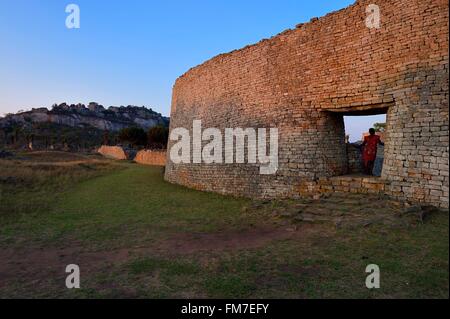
(370, 146)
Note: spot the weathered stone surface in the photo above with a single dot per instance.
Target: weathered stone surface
(304, 80)
(354, 159)
(348, 211)
(151, 157)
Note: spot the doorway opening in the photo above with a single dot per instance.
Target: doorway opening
(357, 127)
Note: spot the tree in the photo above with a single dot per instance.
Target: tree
(4, 137)
(157, 137)
(380, 127)
(17, 130)
(133, 135)
(106, 138)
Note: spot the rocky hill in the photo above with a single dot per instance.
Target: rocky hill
(94, 115)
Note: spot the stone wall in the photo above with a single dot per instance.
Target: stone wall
(343, 184)
(354, 158)
(151, 157)
(303, 81)
(114, 152)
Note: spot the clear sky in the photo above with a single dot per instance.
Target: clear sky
(128, 52)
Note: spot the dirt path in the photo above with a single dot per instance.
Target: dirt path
(31, 263)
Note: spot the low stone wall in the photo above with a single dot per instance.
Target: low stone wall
(354, 155)
(149, 157)
(115, 152)
(360, 185)
(344, 184)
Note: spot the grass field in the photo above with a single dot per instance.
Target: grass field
(135, 236)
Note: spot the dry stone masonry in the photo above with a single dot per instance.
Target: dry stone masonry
(151, 157)
(113, 152)
(303, 81)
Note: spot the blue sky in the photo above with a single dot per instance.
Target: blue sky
(128, 52)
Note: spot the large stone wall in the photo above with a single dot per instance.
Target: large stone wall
(303, 81)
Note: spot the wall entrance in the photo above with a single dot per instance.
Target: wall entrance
(356, 126)
(356, 129)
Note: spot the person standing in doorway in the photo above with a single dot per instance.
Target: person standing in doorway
(370, 148)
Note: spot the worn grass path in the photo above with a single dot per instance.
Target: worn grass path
(134, 235)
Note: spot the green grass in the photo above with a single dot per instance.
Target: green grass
(130, 206)
(136, 236)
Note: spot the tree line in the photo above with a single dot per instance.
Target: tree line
(136, 137)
